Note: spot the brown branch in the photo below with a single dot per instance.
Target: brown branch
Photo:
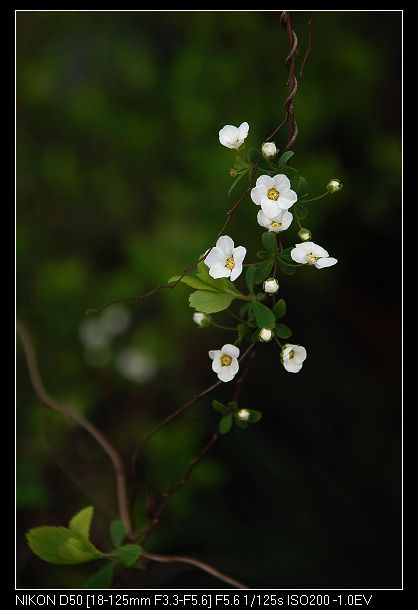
(198, 564)
(176, 487)
(285, 20)
(99, 437)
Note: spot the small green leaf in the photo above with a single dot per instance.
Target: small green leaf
(117, 532)
(103, 578)
(193, 282)
(61, 545)
(263, 271)
(225, 424)
(282, 331)
(80, 523)
(245, 309)
(128, 554)
(241, 423)
(249, 277)
(262, 254)
(302, 211)
(286, 270)
(279, 309)
(240, 163)
(221, 284)
(242, 331)
(234, 184)
(269, 242)
(263, 315)
(210, 302)
(302, 188)
(232, 406)
(218, 406)
(285, 158)
(254, 155)
(255, 416)
(286, 256)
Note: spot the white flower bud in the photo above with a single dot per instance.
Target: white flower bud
(201, 319)
(334, 185)
(271, 286)
(304, 234)
(243, 414)
(269, 150)
(265, 334)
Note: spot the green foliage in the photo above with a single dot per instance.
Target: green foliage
(128, 554)
(249, 277)
(80, 523)
(302, 187)
(282, 331)
(210, 302)
(225, 423)
(263, 271)
(269, 241)
(284, 158)
(279, 309)
(254, 155)
(117, 532)
(243, 330)
(263, 315)
(234, 184)
(102, 579)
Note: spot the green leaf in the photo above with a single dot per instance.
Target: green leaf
(285, 256)
(279, 309)
(285, 158)
(283, 331)
(232, 406)
(263, 271)
(262, 254)
(263, 315)
(61, 545)
(117, 532)
(255, 416)
(240, 163)
(128, 554)
(245, 309)
(225, 424)
(80, 523)
(241, 423)
(269, 242)
(302, 187)
(286, 270)
(221, 284)
(193, 282)
(249, 277)
(254, 155)
(210, 302)
(218, 406)
(242, 331)
(103, 578)
(234, 184)
(302, 211)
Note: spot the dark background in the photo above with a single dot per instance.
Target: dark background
(121, 182)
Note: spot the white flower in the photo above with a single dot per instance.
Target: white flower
(225, 362)
(269, 150)
(233, 137)
(293, 357)
(265, 334)
(273, 194)
(334, 185)
(271, 286)
(224, 260)
(309, 253)
(281, 222)
(201, 319)
(243, 414)
(304, 234)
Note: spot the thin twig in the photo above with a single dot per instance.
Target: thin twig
(286, 22)
(51, 403)
(176, 487)
(309, 49)
(198, 564)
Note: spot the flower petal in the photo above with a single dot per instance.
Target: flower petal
(262, 220)
(217, 271)
(226, 244)
(286, 221)
(234, 366)
(243, 130)
(287, 200)
(225, 374)
(325, 262)
(236, 272)
(300, 353)
(319, 251)
(265, 181)
(215, 353)
(239, 254)
(291, 366)
(282, 183)
(216, 365)
(298, 255)
(230, 350)
(270, 208)
(306, 246)
(215, 256)
(257, 193)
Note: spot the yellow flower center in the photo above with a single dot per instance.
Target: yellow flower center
(273, 194)
(275, 224)
(226, 360)
(291, 354)
(230, 263)
(312, 257)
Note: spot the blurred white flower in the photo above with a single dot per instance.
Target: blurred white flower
(273, 194)
(233, 137)
(279, 223)
(243, 414)
(201, 319)
(92, 334)
(309, 253)
(293, 357)
(225, 362)
(135, 365)
(115, 320)
(265, 335)
(334, 185)
(271, 286)
(224, 260)
(269, 150)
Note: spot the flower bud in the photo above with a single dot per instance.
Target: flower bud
(265, 335)
(201, 319)
(304, 234)
(269, 150)
(243, 414)
(334, 185)
(233, 172)
(271, 286)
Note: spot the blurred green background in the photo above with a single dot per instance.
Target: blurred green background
(121, 182)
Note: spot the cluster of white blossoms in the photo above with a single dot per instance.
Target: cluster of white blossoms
(275, 197)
